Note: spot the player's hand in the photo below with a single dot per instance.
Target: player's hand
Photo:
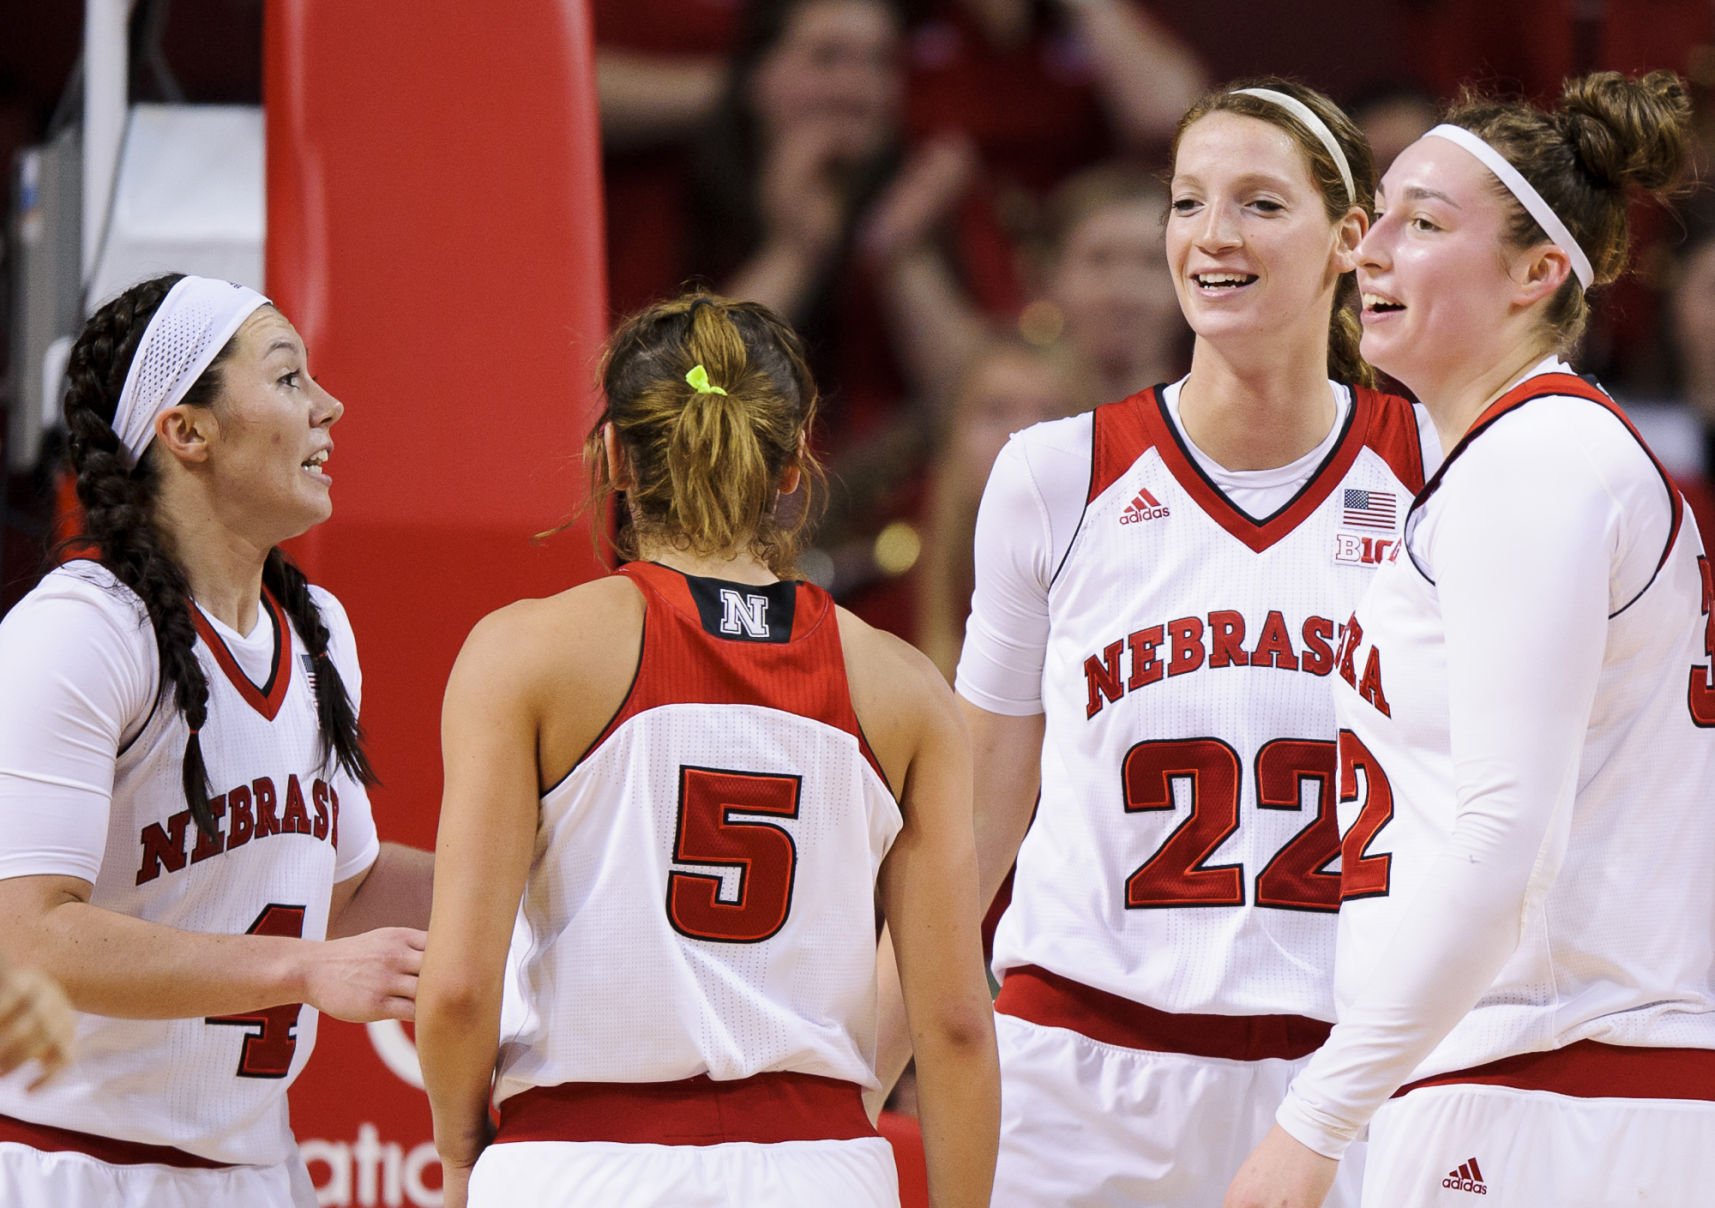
(36, 1023)
(367, 977)
(1282, 1172)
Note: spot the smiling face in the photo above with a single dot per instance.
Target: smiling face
(1249, 242)
(268, 444)
(1441, 288)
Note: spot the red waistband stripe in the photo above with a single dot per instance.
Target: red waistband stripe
(1053, 1001)
(111, 1150)
(765, 1109)
(1589, 1069)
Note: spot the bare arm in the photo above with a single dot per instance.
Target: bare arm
(113, 964)
(1147, 76)
(650, 99)
(392, 892)
(933, 320)
(929, 894)
(487, 833)
(1007, 756)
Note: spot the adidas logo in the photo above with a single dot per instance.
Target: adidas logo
(1144, 507)
(1469, 1177)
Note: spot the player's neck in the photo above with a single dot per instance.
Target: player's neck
(222, 565)
(1259, 412)
(735, 567)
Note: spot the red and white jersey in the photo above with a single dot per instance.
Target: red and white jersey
(1180, 852)
(1527, 767)
(90, 787)
(701, 899)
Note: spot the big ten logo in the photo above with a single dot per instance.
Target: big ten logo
(1364, 551)
(370, 1172)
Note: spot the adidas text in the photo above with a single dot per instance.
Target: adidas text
(1469, 1177)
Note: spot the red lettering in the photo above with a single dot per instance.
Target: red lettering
(1371, 687)
(163, 846)
(1318, 635)
(1700, 694)
(1274, 646)
(1145, 667)
(1227, 639)
(211, 845)
(241, 823)
(1187, 636)
(295, 820)
(319, 799)
(1349, 639)
(267, 822)
(1103, 677)
(333, 795)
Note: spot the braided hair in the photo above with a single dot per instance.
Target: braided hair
(119, 524)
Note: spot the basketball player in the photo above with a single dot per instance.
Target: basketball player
(698, 776)
(1159, 585)
(182, 779)
(1527, 712)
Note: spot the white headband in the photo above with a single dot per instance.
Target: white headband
(190, 327)
(1307, 117)
(1527, 196)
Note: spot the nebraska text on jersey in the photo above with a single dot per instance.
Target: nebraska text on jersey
(245, 812)
(1181, 856)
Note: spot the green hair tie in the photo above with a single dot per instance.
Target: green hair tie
(699, 380)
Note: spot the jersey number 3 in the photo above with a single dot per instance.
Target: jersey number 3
(268, 1050)
(711, 834)
(1296, 878)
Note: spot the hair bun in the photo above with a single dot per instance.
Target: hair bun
(1629, 131)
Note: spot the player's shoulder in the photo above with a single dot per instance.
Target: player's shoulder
(580, 628)
(883, 663)
(79, 594)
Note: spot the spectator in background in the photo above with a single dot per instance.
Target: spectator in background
(1103, 283)
(1010, 386)
(1683, 430)
(1394, 116)
(1046, 88)
(659, 66)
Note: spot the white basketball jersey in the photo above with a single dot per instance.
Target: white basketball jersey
(1180, 854)
(286, 832)
(702, 895)
(1617, 930)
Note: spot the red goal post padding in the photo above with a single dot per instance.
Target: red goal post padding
(434, 230)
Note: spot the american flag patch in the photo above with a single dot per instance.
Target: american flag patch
(1369, 509)
(309, 665)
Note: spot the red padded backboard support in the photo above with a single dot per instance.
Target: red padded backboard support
(434, 231)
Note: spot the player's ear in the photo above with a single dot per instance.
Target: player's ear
(618, 465)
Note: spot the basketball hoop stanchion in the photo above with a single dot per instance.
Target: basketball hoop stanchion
(434, 229)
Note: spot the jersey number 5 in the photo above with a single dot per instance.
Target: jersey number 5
(1296, 878)
(710, 834)
(268, 1051)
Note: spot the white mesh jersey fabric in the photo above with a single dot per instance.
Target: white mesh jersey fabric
(216, 1089)
(1152, 869)
(611, 991)
(1580, 782)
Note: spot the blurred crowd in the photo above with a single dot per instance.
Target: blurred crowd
(959, 203)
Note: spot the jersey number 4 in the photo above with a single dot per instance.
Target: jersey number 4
(1297, 877)
(711, 834)
(268, 1050)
